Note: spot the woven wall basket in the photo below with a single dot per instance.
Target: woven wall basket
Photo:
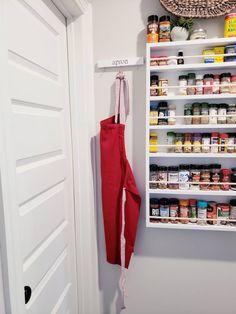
(199, 8)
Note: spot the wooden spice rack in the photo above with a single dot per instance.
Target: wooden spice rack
(193, 63)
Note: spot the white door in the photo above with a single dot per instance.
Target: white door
(36, 161)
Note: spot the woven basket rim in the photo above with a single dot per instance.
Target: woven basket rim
(215, 8)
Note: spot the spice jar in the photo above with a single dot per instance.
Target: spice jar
(204, 113)
(184, 177)
(195, 172)
(201, 212)
(223, 142)
(179, 143)
(174, 209)
(199, 33)
(154, 207)
(208, 80)
(187, 143)
(173, 177)
(216, 84)
(223, 213)
(183, 82)
(225, 80)
(184, 211)
(193, 210)
(162, 177)
(197, 141)
(206, 141)
(154, 85)
(171, 114)
(231, 110)
(205, 177)
(164, 210)
(163, 113)
(180, 60)
(231, 140)
(232, 211)
(225, 177)
(230, 49)
(215, 177)
(153, 170)
(222, 112)
(164, 29)
(191, 81)
(163, 87)
(233, 84)
(152, 29)
(196, 112)
(153, 120)
(213, 112)
(199, 84)
(233, 179)
(214, 142)
(188, 114)
(170, 141)
(212, 213)
(153, 143)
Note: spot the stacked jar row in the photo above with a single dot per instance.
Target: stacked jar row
(191, 210)
(204, 113)
(194, 177)
(201, 142)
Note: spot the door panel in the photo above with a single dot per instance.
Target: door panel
(42, 185)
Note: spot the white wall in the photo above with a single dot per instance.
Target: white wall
(172, 272)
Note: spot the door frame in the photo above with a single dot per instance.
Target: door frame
(81, 77)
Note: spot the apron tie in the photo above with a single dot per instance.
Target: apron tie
(122, 98)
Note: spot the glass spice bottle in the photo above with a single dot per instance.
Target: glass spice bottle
(183, 82)
(171, 114)
(208, 80)
(223, 213)
(153, 143)
(214, 142)
(154, 85)
(225, 80)
(153, 170)
(225, 178)
(196, 112)
(212, 213)
(164, 210)
(184, 177)
(153, 120)
(162, 177)
(193, 210)
(163, 113)
(191, 82)
(199, 84)
(179, 143)
(233, 179)
(170, 141)
(231, 141)
(197, 141)
(154, 207)
(231, 110)
(213, 112)
(184, 211)
(222, 112)
(195, 172)
(223, 142)
(206, 141)
(215, 176)
(204, 113)
(233, 84)
(152, 29)
(173, 177)
(174, 210)
(164, 28)
(205, 177)
(188, 114)
(232, 211)
(187, 143)
(180, 60)
(216, 84)
(163, 87)
(201, 212)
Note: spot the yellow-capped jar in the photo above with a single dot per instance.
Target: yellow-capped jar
(153, 143)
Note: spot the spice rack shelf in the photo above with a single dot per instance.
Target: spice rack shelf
(192, 53)
(193, 67)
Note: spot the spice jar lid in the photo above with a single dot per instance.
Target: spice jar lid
(153, 107)
(196, 104)
(180, 53)
(164, 201)
(162, 168)
(208, 76)
(173, 168)
(206, 167)
(183, 77)
(225, 75)
(179, 135)
(163, 104)
(174, 201)
(202, 204)
(215, 166)
(225, 171)
(153, 167)
(191, 75)
(216, 76)
(183, 202)
(152, 18)
(214, 106)
(223, 106)
(154, 77)
(224, 135)
(199, 77)
(197, 134)
(171, 134)
(206, 135)
(184, 167)
(154, 201)
(164, 18)
(214, 134)
(195, 167)
(232, 202)
(192, 202)
(153, 134)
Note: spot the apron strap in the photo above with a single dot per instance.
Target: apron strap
(122, 98)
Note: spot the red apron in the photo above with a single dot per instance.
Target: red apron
(120, 197)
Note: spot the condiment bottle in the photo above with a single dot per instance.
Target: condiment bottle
(174, 209)
(153, 169)
(225, 177)
(164, 210)
(152, 29)
(164, 29)
(184, 177)
(184, 211)
(202, 212)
